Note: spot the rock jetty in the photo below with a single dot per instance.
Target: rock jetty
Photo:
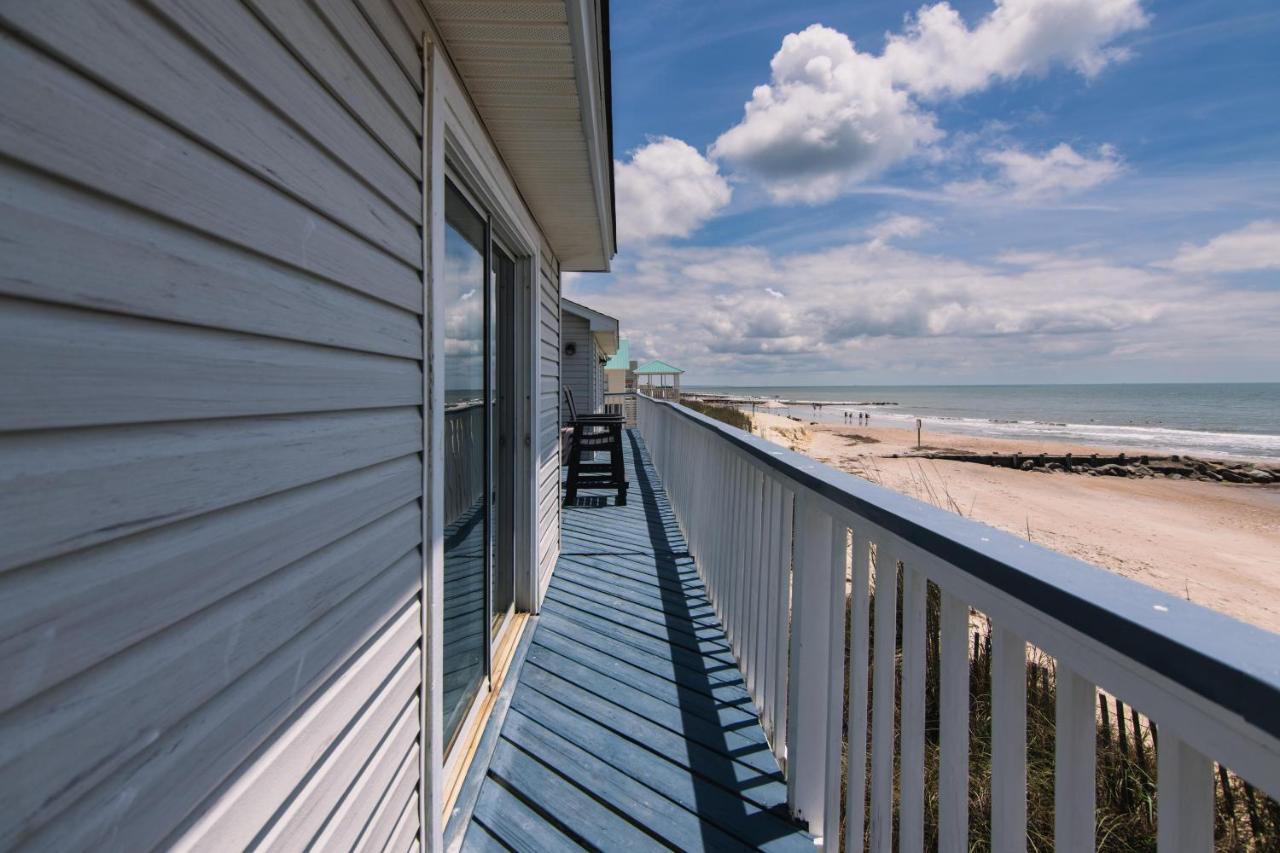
(1174, 467)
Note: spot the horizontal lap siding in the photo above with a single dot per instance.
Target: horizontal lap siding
(210, 448)
(548, 426)
(576, 369)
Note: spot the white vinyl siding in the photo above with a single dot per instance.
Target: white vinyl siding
(210, 469)
(549, 416)
(576, 369)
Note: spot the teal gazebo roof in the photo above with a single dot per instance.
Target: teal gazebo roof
(620, 360)
(656, 367)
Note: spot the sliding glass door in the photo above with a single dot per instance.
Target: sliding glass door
(475, 295)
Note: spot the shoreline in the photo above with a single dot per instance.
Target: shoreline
(1154, 437)
(1215, 543)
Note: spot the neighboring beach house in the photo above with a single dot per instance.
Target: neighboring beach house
(283, 561)
(590, 339)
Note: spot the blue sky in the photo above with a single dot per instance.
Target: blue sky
(1022, 191)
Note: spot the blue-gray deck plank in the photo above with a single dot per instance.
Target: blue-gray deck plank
(629, 726)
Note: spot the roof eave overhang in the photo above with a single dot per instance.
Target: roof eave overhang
(602, 327)
(538, 74)
(589, 36)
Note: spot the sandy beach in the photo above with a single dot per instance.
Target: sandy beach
(1217, 544)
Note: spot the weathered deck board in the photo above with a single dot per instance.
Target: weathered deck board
(630, 727)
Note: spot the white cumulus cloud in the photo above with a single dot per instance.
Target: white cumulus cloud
(1024, 176)
(939, 54)
(1254, 247)
(897, 225)
(667, 189)
(833, 116)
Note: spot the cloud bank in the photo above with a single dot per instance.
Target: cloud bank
(873, 309)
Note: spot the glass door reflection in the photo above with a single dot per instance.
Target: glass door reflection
(467, 375)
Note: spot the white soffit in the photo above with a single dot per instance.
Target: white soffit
(535, 71)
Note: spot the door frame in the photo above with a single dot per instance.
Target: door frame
(457, 147)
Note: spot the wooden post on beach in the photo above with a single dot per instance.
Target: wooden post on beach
(917, 433)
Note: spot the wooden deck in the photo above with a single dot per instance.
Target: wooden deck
(629, 727)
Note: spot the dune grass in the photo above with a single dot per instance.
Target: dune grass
(727, 414)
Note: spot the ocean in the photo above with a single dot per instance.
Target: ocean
(1218, 419)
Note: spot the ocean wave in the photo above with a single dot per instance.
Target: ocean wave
(1171, 439)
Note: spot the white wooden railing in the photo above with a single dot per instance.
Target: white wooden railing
(788, 549)
(621, 403)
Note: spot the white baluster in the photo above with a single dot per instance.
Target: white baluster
(859, 649)
(836, 609)
(750, 631)
(1184, 821)
(754, 629)
(810, 670)
(911, 771)
(729, 576)
(1075, 755)
(882, 698)
(781, 629)
(744, 562)
(764, 595)
(768, 595)
(1008, 741)
(953, 728)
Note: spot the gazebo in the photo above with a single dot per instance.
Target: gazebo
(659, 379)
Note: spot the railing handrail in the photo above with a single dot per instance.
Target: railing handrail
(1230, 663)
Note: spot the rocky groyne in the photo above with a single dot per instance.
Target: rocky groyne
(1174, 467)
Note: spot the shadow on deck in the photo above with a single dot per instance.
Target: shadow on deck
(629, 726)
